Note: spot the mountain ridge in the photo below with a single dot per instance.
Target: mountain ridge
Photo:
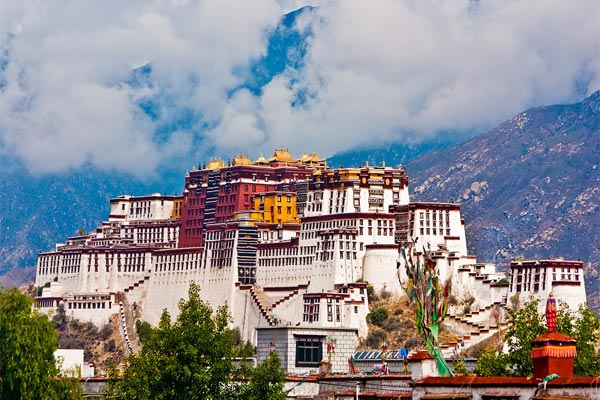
(529, 188)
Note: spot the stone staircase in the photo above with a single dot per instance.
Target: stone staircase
(123, 328)
(263, 302)
(137, 284)
(474, 327)
(289, 295)
(267, 303)
(127, 317)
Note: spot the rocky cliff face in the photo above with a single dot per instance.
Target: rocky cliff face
(528, 188)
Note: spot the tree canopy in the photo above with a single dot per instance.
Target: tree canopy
(192, 358)
(527, 323)
(27, 343)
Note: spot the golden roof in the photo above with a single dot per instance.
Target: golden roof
(215, 163)
(282, 155)
(314, 158)
(241, 160)
(261, 160)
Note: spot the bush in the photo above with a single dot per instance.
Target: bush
(144, 330)
(501, 283)
(60, 318)
(375, 338)
(237, 337)
(377, 316)
(106, 331)
(392, 324)
(398, 311)
(246, 351)
(110, 346)
(371, 296)
(414, 342)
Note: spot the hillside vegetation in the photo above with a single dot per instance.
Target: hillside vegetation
(392, 320)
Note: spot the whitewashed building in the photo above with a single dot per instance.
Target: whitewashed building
(309, 272)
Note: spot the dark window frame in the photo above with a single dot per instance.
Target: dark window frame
(309, 350)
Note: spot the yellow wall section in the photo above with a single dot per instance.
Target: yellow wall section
(277, 207)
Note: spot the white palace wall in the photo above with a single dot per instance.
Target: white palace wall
(380, 268)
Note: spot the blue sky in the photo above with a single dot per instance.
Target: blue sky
(140, 85)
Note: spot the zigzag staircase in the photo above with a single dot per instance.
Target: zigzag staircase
(476, 330)
(263, 302)
(266, 304)
(126, 318)
(136, 284)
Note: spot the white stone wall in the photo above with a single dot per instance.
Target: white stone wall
(379, 269)
(291, 311)
(165, 289)
(99, 315)
(89, 276)
(71, 363)
(246, 315)
(451, 227)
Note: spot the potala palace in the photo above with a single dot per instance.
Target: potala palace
(289, 245)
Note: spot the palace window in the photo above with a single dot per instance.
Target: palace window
(311, 309)
(309, 351)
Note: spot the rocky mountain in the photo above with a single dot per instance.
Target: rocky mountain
(530, 188)
(393, 153)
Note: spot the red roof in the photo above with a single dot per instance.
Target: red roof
(504, 381)
(368, 394)
(421, 355)
(554, 336)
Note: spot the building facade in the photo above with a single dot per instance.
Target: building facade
(283, 242)
(538, 279)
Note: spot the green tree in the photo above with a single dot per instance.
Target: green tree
(584, 327)
(492, 362)
(526, 324)
(377, 316)
(188, 358)
(27, 343)
(267, 381)
(144, 330)
(246, 350)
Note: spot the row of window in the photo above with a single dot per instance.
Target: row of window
(434, 231)
(88, 305)
(328, 255)
(435, 216)
(178, 266)
(218, 235)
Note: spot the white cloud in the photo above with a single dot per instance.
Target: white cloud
(389, 70)
(374, 71)
(65, 101)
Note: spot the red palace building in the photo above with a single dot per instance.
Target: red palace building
(216, 192)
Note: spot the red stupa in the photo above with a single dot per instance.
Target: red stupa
(553, 352)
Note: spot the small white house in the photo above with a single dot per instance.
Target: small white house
(70, 362)
(305, 349)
